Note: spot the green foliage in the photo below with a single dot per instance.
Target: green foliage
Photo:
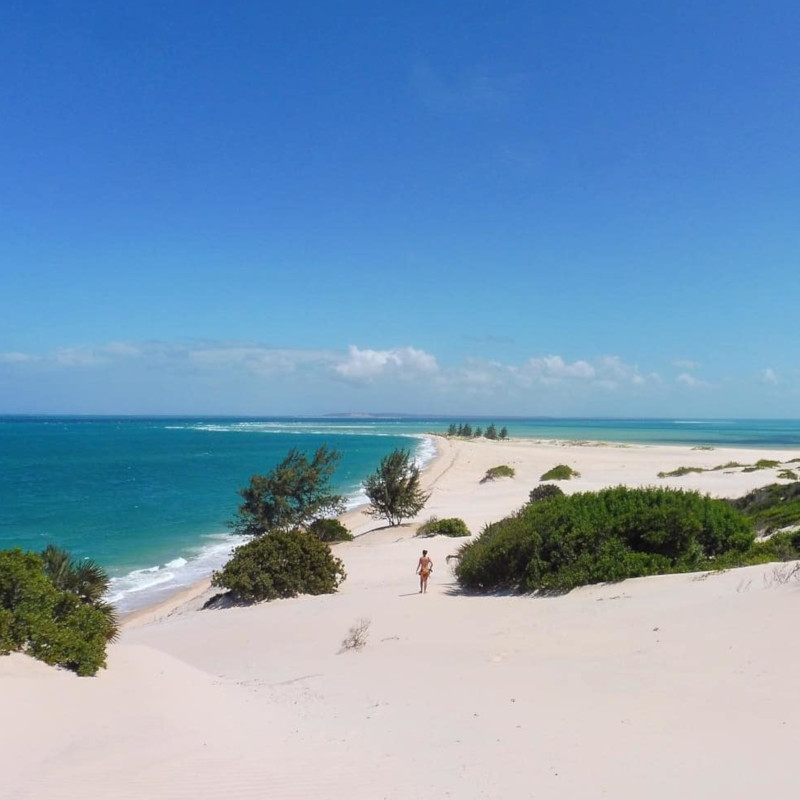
(394, 489)
(501, 471)
(560, 473)
(55, 625)
(762, 463)
(452, 430)
(787, 475)
(703, 447)
(544, 491)
(604, 536)
(504, 432)
(478, 433)
(727, 465)
(680, 472)
(296, 492)
(281, 564)
(451, 526)
(85, 578)
(772, 507)
(491, 432)
(329, 530)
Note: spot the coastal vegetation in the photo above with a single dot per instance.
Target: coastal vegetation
(451, 526)
(771, 507)
(592, 537)
(394, 489)
(762, 463)
(561, 472)
(296, 492)
(52, 608)
(544, 491)
(680, 472)
(465, 431)
(329, 530)
(501, 471)
(282, 564)
(558, 543)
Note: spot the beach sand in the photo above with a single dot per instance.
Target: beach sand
(680, 685)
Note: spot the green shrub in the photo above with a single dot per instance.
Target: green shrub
(604, 536)
(544, 491)
(772, 507)
(280, 564)
(762, 463)
(330, 530)
(502, 471)
(560, 473)
(53, 625)
(728, 465)
(451, 526)
(787, 475)
(680, 472)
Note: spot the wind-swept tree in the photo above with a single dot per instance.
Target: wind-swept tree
(452, 430)
(504, 432)
(394, 489)
(491, 432)
(293, 495)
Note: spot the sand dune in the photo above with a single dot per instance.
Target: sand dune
(659, 687)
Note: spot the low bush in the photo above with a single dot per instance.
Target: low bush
(680, 472)
(502, 471)
(560, 473)
(544, 491)
(771, 507)
(787, 475)
(604, 536)
(56, 626)
(451, 526)
(330, 530)
(280, 564)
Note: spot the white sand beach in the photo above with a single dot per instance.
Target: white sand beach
(674, 686)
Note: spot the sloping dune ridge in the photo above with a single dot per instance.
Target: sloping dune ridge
(680, 685)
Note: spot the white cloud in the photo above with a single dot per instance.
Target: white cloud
(682, 363)
(17, 358)
(768, 376)
(403, 362)
(691, 382)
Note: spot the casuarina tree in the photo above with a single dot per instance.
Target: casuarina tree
(294, 494)
(394, 489)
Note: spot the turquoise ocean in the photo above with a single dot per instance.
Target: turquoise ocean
(150, 499)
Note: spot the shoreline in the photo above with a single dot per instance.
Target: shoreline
(199, 591)
(449, 450)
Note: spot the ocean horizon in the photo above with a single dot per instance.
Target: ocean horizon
(150, 498)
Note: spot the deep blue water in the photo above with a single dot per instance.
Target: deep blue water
(150, 498)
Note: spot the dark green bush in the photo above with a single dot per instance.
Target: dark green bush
(560, 473)
(772, 507)
(55, 626)
(604, 536)
(329, 530)
(501, 471)
(280, 564)
(787, 475)
(544, 491)
(451, 526)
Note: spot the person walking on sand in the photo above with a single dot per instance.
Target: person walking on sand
(424, 569)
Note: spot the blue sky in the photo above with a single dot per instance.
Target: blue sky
(566, 208)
